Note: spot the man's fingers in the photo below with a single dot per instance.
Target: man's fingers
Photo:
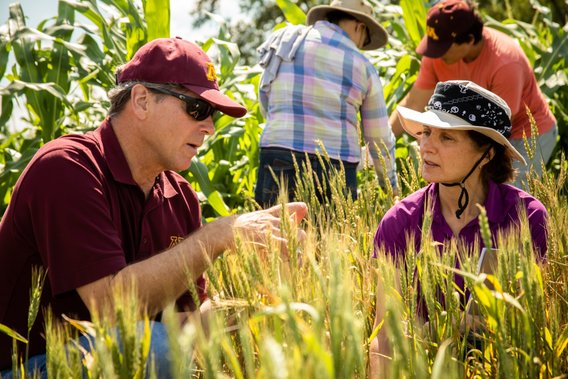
(297, 210)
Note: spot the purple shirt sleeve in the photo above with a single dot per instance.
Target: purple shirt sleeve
(388, 237)
(538, 223)
(401, 223)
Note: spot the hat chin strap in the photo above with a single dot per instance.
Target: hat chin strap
(463, 200)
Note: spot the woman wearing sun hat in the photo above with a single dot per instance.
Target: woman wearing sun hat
(466, 158)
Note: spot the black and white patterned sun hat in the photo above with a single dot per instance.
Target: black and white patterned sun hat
(463, 105)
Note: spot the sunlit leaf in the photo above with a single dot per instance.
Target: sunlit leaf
(12, 333)
(157, 14)
(293, 13)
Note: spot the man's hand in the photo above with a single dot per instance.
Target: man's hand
(261, 226)
(162, 278)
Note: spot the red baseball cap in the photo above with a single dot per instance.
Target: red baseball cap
(174, 60)
(446, 20)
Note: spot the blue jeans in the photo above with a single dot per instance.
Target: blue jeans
(545, 144)
(159, 352)
(281, 161)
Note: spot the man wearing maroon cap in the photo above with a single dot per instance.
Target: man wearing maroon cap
(107, 208)
(457, 47)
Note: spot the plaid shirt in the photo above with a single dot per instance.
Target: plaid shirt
(319, 95)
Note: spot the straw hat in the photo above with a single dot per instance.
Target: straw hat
(359, 9)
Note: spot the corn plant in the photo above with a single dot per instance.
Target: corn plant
(58, 76)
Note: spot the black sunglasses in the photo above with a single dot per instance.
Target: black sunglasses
(196, 108)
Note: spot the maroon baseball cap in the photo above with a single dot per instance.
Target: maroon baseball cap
(174, 60)
(446, 20)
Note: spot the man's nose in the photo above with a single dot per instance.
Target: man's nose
(208, 126)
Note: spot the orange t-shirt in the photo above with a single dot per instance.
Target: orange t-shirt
(502, 68)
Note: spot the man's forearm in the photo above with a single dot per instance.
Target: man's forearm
(162, 278)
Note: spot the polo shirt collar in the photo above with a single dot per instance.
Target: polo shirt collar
(114, 156)
(118, 165)
(166, 186)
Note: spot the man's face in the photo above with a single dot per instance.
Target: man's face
(174, 136)
(456, 52)
(357, 32)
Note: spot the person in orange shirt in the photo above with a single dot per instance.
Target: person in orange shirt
(458, 47)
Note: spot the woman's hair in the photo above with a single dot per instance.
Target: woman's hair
(336, 16)
(500, 167)
(476, 29)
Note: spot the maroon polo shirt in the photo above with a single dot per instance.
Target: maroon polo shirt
(77, 211)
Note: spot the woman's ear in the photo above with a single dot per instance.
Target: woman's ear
(490, 155)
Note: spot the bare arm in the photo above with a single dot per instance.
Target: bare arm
(162, 278)
(416, 99)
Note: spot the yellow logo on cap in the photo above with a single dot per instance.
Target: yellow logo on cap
(211, 75)
(431, 32)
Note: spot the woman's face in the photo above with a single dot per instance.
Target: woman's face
(447, 155)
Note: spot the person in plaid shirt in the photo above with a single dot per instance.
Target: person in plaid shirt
(318, 89)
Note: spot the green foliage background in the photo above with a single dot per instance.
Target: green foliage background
(261, 16)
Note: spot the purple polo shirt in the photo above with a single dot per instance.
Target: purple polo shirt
(404, 220)
(77, 211)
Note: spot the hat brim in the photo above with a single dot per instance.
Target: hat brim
(413, 121)
(377, 34)
(432, 49)
(221, 101)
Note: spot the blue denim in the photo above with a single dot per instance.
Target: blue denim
(159, 353)
(281, 161)
(545, 144)
(35, 364)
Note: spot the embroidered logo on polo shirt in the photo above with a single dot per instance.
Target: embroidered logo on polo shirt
(174, 240)
(211, 75)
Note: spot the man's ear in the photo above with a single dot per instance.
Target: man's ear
(361, 31)
(139, 100)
